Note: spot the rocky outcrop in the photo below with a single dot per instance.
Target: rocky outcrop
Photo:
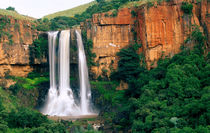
(109, 35)
(205, 19)
(14, 46)
(161, 29)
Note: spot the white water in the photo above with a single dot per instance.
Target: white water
(60, 100)
(85, 93)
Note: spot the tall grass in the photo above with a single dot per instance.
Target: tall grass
(71, 12)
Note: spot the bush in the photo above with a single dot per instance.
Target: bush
(62, 22)
(54, 127)
(43, 25)
(128, 65)
(25, 117)
(134, 13)
(39, 48)
(3, 128)
(88, 46)
(187, 7)
(114, 13)
(10, 8)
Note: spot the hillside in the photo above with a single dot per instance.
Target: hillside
(15, 15)
(71, 12)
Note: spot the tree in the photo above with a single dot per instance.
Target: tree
(10, 8)
(99, 1)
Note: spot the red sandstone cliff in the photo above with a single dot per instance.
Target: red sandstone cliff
(14, 50)
(160, 29)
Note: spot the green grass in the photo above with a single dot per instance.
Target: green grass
(28, 83)
(15, 15)
(71, 12)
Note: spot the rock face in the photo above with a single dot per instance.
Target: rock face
(14, 46)
(205, 19)
(161, 29)
(109, 35)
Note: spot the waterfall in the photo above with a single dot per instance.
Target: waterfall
(60, 100)
(85, 93)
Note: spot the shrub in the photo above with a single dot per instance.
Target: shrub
(88, 46)
(150, 4)
(128, 65)
(54, 127)
(3, 128)
(62, 22)
(114, 13)
(39, 48)
(43, 25)
(10, 8)
(134, 13)
(187, 7)
(17, 27)
(106, 15)
(25, 117)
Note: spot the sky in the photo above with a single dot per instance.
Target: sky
(40, 8)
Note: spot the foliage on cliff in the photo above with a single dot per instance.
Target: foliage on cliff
(129, 64)
(39, 48)
(187, 7)
(5, 33)
(88, 46)
(173, 97)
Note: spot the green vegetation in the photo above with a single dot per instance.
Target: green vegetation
(31, 82)
(24, 120)
(26, 83)
(43, 25)
(17, 27)
(14, 14)
(8, 101)
(10, 8)
(187, 7)
(71, 12)
(173, 97)
(134, 13)
(39, 48)
(114, 13)
(128, 65)
(62, 22)
(105, 96)
(88, 46)
(5, 24)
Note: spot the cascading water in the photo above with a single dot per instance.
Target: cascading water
(60, 100)
(85, 93)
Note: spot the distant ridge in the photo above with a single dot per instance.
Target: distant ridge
(71, 12)
(15, 14)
